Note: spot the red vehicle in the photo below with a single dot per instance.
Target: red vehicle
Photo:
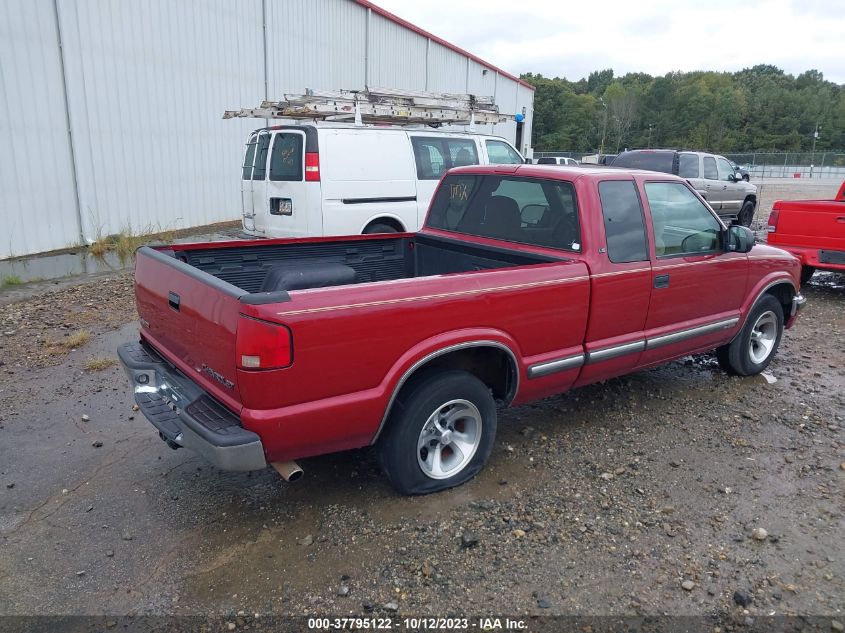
(812, 230)
(525, 281)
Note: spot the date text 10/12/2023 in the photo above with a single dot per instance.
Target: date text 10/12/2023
(417, 624)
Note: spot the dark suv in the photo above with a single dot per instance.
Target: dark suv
(713, 176)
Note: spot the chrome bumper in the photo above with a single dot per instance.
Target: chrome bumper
(798, 302)
(185, 416)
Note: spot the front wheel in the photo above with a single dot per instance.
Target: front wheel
(746, 213)
(439, 434)
(753, 348)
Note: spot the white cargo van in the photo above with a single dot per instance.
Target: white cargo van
(312, 180)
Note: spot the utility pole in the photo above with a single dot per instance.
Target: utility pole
(603, 127)
(813, 153)
(650, 125)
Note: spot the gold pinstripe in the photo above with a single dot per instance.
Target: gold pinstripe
(443, 295)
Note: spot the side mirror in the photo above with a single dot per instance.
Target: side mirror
(741, 239)
(732, 177)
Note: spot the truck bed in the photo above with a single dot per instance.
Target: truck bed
(381, 258)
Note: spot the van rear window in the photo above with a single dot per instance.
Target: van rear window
(249, 157)
(524, 210)
(261, 157)
(433, 156)
(286, 159)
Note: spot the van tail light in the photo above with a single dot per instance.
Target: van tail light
(312, 167)
(262, 345)
(773, 221)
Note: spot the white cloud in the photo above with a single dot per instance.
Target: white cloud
(571, 39)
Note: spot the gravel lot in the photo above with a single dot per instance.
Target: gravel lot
(677, 490)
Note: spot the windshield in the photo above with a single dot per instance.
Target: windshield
(652, 161)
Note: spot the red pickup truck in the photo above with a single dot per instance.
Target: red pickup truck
(812, 230)
(524, 282)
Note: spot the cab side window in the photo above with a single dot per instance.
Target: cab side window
(726, 170)
(433, 156)
(683, 225)
(710, 172)
(688, 166)
(623, 221)
(500, 153)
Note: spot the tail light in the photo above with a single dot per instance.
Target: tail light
(773, 221)
(262, 345)
(312, 167)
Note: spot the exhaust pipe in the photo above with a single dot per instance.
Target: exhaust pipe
(290, 471)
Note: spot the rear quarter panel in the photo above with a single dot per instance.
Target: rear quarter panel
(353, 344)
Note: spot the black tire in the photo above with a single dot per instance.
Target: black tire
(379, 227)
(746, 213)
(739, 357)
(806, 274)
(746, 178)
(399, 447)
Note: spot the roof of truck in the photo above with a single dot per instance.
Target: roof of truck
(564, 172)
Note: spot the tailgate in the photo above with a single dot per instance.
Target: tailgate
(812, 223)
(190, 318)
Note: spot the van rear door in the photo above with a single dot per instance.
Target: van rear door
(246, 183)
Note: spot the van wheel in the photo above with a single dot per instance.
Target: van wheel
(379, 227)
(806, 273)
(754, 347)
(746, 213)
(746, 178)
(439, 434)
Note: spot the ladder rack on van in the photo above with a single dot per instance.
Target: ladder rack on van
(380, 105)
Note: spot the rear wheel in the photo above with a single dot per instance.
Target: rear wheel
(439, 434)
(806, 273)
(753, 348)
(746, 178)
(379, 227)
(746, 213)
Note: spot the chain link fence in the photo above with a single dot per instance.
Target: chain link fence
(761, 165)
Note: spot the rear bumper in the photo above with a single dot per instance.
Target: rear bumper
(823, 259)
(185, 416)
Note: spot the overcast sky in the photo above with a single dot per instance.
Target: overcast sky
(567, 38)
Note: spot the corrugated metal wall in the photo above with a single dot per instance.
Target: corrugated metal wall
(37, 197)
(143, 87)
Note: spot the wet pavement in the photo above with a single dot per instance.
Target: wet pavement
(641, 495)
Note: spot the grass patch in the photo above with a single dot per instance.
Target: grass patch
(11, 280)
(99, 364)
(72, 342)
(125, 243)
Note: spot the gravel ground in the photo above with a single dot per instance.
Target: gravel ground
(678, 490)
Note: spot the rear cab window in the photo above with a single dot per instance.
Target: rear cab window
(624, 225)
(435, 155)
(683, 225)
(524, 210)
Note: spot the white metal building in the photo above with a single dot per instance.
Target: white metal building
(110, 111)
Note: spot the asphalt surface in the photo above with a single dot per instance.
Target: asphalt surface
(642, 495)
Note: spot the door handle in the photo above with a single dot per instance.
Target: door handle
(841, 218)
(174, 300)
(661, 281)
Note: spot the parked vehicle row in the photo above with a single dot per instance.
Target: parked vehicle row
(812, 230)
(525, 281)
(714, 177)
(336, 179)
